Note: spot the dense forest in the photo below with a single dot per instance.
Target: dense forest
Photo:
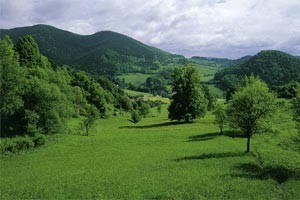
(103, 53)
(39, 97)
(278, 69)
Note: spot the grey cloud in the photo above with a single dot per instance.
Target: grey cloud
(222, 28)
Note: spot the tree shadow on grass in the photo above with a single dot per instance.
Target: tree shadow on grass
(278, 173)
(154, 125)
(209, 136)
(212, 155)
(203, 137)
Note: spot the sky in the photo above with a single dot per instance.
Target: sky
(211, 28)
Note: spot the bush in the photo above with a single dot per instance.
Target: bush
(16, 144)
(39, 140)
(24, 143)
(135, 116)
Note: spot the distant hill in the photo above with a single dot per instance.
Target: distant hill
(274, 67)
(103, 52)
(218, 62)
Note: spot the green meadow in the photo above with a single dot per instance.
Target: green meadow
(157, 159)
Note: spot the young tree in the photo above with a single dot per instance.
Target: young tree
(210, 98)
(188, 99)
(135, 116)
(220, 116)
(249, 105)
(92, 114)
(296, 108)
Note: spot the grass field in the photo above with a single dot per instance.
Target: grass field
(156, 159)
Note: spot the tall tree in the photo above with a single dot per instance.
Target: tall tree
(11, 84)
(249, 105)
(188, 99)
(29, 51)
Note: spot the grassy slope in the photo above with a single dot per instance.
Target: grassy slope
(153, 159)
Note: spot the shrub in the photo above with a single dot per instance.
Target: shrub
(135, 116)
(23, 143)
(20, 143)
(39, 140)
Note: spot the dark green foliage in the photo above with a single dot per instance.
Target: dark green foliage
(288, 90)
(11, 79)
(104, 52)
(210, 98)
(36, 98)
(118, 97)
(188, 99)
(274, 67)
(92, 114)
(251, 104)
(21, 143)
(156, 85)
(296, 108)
(38, 140)
(135, 116)
(141, 106)
(29, 54)
(218, 62)
(92, 90)
(220, 116)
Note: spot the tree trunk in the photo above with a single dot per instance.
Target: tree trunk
(248, 143)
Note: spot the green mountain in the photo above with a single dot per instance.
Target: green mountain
(104, 52)
(274, 67)
(218, 62)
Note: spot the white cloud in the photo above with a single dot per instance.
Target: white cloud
(225, 28)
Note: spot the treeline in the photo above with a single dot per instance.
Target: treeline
(38, 97)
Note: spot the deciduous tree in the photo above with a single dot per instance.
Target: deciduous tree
(249, 105)
(188, 99)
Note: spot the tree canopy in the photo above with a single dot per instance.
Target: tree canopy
(249, 105)
(188, 99)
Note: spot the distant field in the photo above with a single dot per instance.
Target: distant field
(147, 96)
(156, 159)
(135, 78)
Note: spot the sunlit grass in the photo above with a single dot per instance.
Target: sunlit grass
(154, 159)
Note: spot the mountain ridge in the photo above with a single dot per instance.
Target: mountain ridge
(104, 49)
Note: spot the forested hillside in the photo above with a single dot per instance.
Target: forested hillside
(104, 52)
(276, 68)
(37, 97)
(218, 62)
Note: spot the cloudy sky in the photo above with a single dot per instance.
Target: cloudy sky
(216, 28)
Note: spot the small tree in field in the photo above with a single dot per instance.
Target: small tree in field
(249, 105)
(92, 114)
(296, 108)
(220, 116)
(188, 99)
(135, 116)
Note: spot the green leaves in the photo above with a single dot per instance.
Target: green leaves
(250, 104)
(188, 99)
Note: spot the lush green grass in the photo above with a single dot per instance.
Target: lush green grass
(154, 159)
